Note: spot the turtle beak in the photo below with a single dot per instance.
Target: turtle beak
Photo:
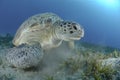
(81, 32)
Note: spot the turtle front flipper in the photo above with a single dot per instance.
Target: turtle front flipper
(71, 45)
(25, 56)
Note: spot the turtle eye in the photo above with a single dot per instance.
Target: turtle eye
(75, 27)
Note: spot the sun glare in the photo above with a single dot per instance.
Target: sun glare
(112, 3)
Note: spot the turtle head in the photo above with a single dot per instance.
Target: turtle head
(69, 30)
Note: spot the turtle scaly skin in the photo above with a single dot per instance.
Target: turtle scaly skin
(25, 56)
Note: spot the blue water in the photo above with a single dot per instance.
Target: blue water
(101, 21)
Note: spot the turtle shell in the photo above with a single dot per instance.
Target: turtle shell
(36, 23)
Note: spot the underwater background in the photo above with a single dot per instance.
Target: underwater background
(95, 57)
(99, 18)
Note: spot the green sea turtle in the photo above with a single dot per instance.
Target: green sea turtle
(48, 30)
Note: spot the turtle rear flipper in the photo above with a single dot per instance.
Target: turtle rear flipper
(25, 56)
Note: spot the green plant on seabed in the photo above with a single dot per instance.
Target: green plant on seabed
(95, 70)
(90, 66)
(49, 77)
(71, 65)
(114, 54)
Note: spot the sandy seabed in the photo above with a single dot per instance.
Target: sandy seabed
(62, 63)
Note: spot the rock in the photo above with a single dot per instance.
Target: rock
(113, 62)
